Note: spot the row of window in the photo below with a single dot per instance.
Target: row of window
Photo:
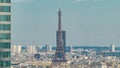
(5, 45)
(5, 36)
(5, 63)
(5, 18)
(5, 9)
(5, 1)
(5, 54)
(5, 27)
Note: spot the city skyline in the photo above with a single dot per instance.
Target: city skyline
(93, 22)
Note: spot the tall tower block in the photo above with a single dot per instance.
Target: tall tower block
(5, 33)
(112, 48)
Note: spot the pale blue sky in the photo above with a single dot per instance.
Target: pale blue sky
(87, 22)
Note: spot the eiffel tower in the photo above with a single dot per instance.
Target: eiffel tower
(59, 60)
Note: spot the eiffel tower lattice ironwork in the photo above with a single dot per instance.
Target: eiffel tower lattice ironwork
(59, 54)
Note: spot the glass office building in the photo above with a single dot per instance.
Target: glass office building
(5, 33)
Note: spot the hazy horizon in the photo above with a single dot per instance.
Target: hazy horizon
(86, 22)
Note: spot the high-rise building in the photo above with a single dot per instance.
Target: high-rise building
(5, 33)
(13, 48)
(16, 49)
(71, 49)
(112, 48)
(38, 48)
(31, 49)
(19, 49)
(47, 48)
(63, 38)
